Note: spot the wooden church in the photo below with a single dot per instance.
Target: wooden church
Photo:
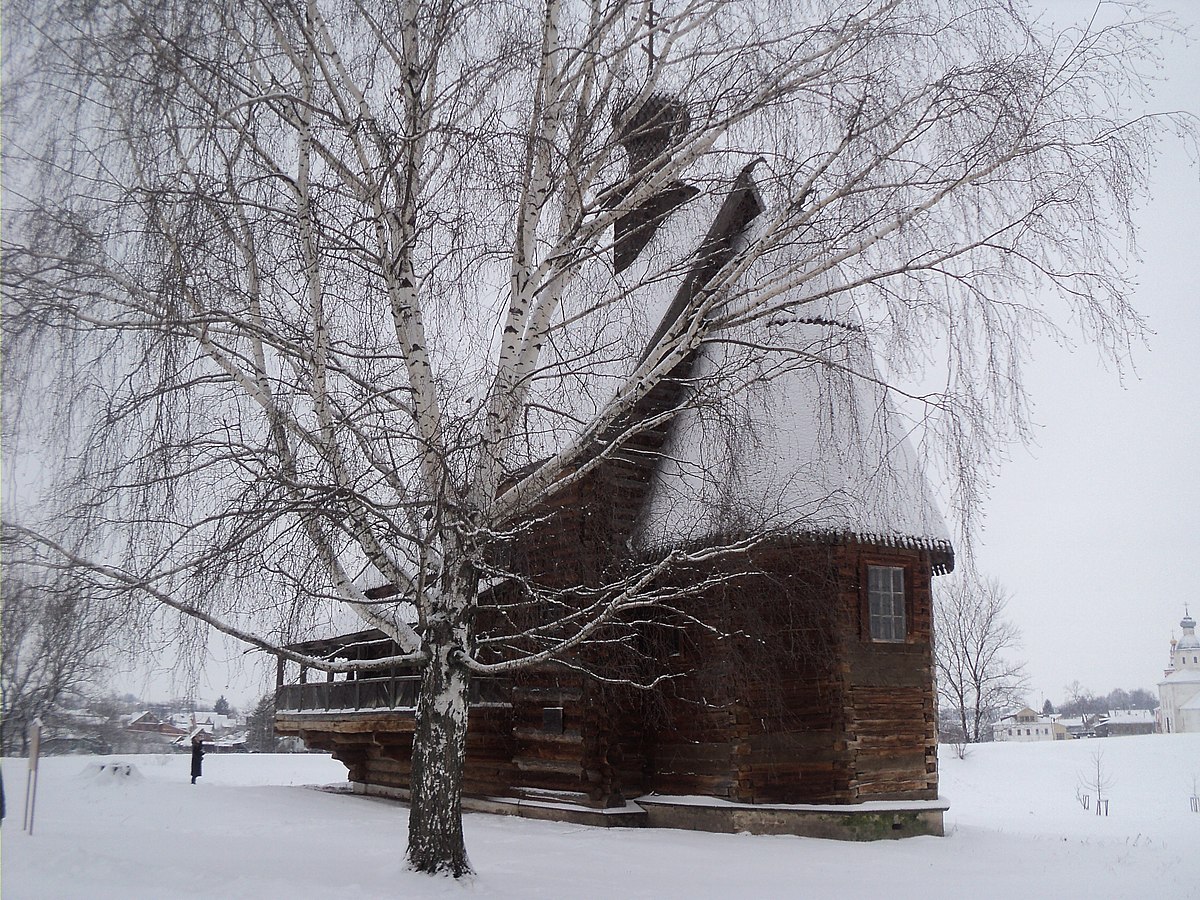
(795, 684)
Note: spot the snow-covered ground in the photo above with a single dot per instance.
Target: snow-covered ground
(253, 828)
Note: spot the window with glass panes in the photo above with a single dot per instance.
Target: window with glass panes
(885, 591)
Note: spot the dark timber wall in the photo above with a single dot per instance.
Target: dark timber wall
(805, 707)
(786, 700)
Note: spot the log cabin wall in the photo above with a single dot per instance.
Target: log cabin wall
(573, 735)
(798, 704)
(759, 716)
(377, 748)
(548, 728)
(891, 711)
(786, 700)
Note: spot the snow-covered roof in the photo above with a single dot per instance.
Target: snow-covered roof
(800, 453)
(331, 618)
(1128, 717)
(194, 734)
(1182, 676)
(189, 719)
(1025, 712)
(791, 431)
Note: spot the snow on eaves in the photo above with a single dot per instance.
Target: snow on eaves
(790, 429)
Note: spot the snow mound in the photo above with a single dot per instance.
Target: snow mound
(117, 772)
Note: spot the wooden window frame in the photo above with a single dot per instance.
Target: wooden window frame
(865, 581)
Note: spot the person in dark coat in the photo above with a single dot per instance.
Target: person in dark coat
(197, 759)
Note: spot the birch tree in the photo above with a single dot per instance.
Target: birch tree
(297, 290)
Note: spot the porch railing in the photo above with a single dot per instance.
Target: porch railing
(397, 692)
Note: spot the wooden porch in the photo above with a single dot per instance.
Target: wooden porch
(369, 695)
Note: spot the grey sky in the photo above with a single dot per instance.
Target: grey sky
(1096, 529)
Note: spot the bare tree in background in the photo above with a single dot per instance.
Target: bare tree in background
(302, 288)
(54, 645)
(1083, 702)
(973, 645)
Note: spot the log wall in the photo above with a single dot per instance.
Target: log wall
(812, 710)
(377, 748)
(798, 705)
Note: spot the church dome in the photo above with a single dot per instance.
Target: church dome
(1189, 640)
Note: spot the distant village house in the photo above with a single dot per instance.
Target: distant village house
(1027, 725)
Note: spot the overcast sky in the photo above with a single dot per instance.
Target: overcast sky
(1095, 529)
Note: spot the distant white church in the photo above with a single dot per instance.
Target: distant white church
(1179, 691)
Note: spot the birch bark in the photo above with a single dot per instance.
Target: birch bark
(435, 833)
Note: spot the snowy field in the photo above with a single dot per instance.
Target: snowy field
(254, 828)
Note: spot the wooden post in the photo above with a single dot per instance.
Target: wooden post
(279, 664)
(31, 780)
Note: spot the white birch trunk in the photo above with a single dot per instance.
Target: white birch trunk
(435, 833)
